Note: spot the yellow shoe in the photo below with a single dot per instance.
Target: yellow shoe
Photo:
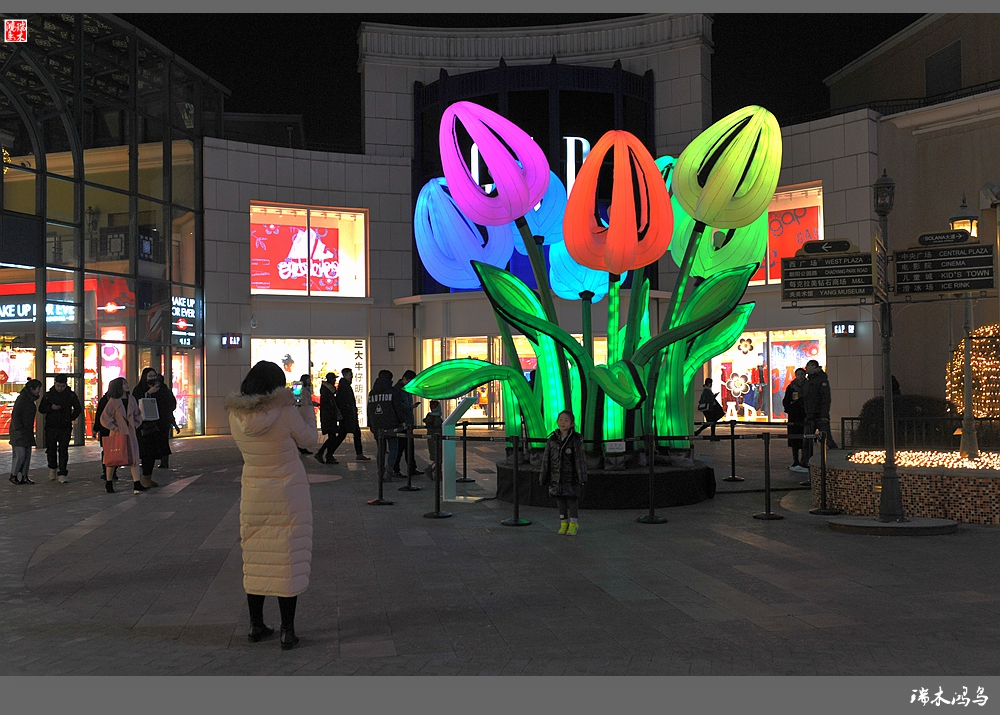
(573, 528)
(563, 526)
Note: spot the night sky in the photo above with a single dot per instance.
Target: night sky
(307, 64)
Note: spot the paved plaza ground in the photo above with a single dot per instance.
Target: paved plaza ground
(100, 584)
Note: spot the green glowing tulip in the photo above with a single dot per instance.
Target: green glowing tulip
(726, 177)
(718, 249)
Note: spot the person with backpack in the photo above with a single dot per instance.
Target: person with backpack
(708, 405)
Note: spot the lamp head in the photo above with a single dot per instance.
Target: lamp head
(885, 193)
(965, 219)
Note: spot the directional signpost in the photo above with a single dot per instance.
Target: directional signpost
(955, 268)
(827, 270)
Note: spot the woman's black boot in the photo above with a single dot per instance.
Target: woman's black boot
(258, 632)
(109, 487)
(288, 637)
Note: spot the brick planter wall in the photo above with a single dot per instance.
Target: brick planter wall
(965, 495)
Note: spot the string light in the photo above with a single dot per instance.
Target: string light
(985, 373)
(928, 459)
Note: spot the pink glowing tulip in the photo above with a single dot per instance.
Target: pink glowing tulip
(521, 179)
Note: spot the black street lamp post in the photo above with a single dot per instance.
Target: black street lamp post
(891, 502)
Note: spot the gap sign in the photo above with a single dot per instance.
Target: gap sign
(946, 269)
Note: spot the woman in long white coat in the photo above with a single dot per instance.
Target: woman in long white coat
(275, 506)
(121, 415)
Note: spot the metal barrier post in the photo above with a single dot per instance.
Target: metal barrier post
(651, 517)
(516, 520)
(381, 456)
(732, 454)
(808, 482)
(767, 514)
(437, 513)
(408, 450)
(823, 509)
(465, 456)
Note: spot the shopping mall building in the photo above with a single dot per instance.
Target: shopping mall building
(152, 237)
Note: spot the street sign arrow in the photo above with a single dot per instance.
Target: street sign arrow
(944, 238)
(837, 246)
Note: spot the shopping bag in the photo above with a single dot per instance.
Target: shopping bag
(149, 409)
(117, 450)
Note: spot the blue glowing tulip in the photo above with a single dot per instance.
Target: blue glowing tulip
(546, 219)
(448, 241)
(569, 279)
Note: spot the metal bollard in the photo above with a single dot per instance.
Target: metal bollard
(516, 520)
(732, 454)
(767, 514)
(437, 513)
(465, 456)
(380, 471)
(651, 517)
(823, 510)
(408, 487)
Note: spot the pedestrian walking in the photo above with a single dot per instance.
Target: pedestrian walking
(564, 470)
(708, 405)
(816, 395)
(307, 406)
(404, 445)
(22, 432)
(435, 426)
(329, 418)
(153, 434)
(385, 416)
(121, 416)
(275, 505)
(348, 422)
(61, 407)
(99, 432)
(795, 407)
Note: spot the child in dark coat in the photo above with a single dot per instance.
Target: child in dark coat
(433, 422)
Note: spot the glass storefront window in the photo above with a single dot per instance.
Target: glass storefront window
(151, 244)
(302, 251)
(18, 190)
(182, 253)
(60, 204)
(300, 356)
(107, 241)
(109, 305)
(62, 245)
(186, 381)
(751, 377)
(151, 170)
(153, 312)
(182, 172)
(108, 165)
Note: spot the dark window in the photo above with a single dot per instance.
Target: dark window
(943, 70)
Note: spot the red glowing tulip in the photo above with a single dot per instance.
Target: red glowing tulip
(638, 234)
(521, 179)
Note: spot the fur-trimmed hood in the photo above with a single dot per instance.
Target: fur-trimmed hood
(257, 413)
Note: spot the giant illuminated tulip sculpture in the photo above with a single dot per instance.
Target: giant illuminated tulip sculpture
(724, 180)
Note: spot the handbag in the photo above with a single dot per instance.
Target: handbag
(149, 409)
(117, 450)
(702, 406)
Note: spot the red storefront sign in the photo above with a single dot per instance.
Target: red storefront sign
(282, 256)
(787, 231)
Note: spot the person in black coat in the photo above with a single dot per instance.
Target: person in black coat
(794, 404)
(168, 424)
(564, 469)
(817, 397)
(61, 407)
(329, 418)
(709, 406)
(405, 446)
(22, 432)
(153, 435)
(348, 421)
(386, 414)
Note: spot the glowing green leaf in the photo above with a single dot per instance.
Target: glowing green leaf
(622, 382)
(725, 288)
(718, 249)
(716, 340)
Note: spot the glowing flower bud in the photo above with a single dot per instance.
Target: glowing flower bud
(521, 179)
(569, 279)
(727, 176)
(546, 218)
(447, 240)
(638, 233)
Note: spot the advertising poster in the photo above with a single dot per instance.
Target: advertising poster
(787, 231)
(279, 253)
(792, 349)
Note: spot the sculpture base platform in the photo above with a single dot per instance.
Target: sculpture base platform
(620, 489)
